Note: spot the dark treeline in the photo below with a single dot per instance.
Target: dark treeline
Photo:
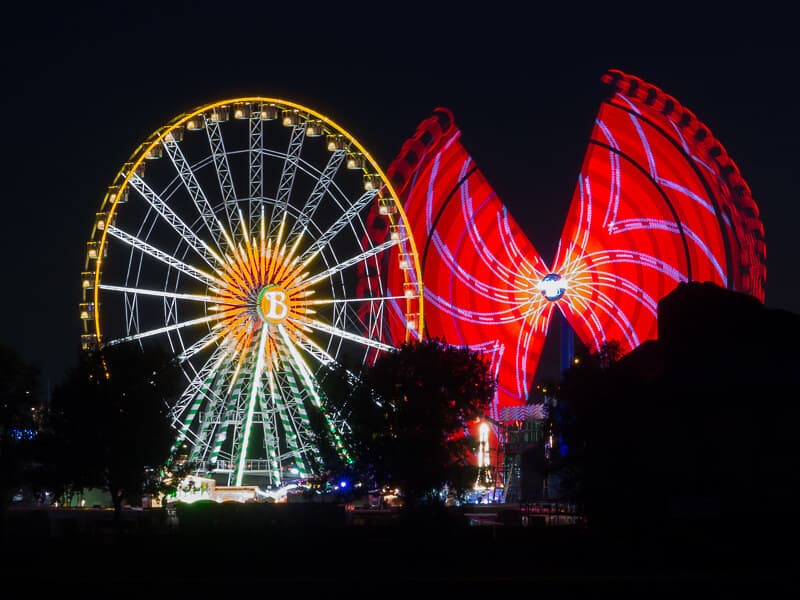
(697, 429)
(682, 454)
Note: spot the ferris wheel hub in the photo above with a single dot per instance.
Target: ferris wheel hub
(553, 286)
(273, 304)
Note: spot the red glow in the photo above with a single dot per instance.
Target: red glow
(658, 202)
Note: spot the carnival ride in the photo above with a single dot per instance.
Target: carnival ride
(658, 202)
(259, 264)
(237, 235)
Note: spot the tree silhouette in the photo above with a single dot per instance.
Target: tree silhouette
(110, 419)
(694, 431)
(410, 412)
(581, 394)
(18, 423)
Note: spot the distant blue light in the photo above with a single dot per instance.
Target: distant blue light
(24, 434)
(343, 484)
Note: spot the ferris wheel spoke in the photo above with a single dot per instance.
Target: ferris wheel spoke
(195, 243)
(314, 350)
(326, 360)
(164, 257)
(161, 293)
(355, 300)
(300, 364)
(312, 389)
(212, 420)
(230, 421)
(318, 193)
(291, 159)
(255, 388)
(198, 387)
(189, 179)
(290, 402)
(199, 345)
(159, 330)
(344, 219)
(372, 327)
(223, 170)
(269, 425)
(256, 170)
(354, 260)
(346, 335)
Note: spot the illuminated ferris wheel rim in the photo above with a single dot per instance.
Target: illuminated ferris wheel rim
(140, 155)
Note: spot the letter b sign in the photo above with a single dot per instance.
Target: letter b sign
(273, 305)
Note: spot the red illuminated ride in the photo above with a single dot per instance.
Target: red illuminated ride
(658, 202)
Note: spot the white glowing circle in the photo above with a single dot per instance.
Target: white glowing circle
(553, 286)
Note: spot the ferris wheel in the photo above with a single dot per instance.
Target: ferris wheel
(242, 237)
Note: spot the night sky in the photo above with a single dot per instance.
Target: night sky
(83, 87)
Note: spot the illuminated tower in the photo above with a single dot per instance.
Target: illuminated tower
(485, 478)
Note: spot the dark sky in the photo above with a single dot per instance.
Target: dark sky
(84, 85)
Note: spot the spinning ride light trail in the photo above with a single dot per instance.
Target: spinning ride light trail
(658, 202)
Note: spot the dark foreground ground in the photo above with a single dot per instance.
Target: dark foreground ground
(319, 551)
